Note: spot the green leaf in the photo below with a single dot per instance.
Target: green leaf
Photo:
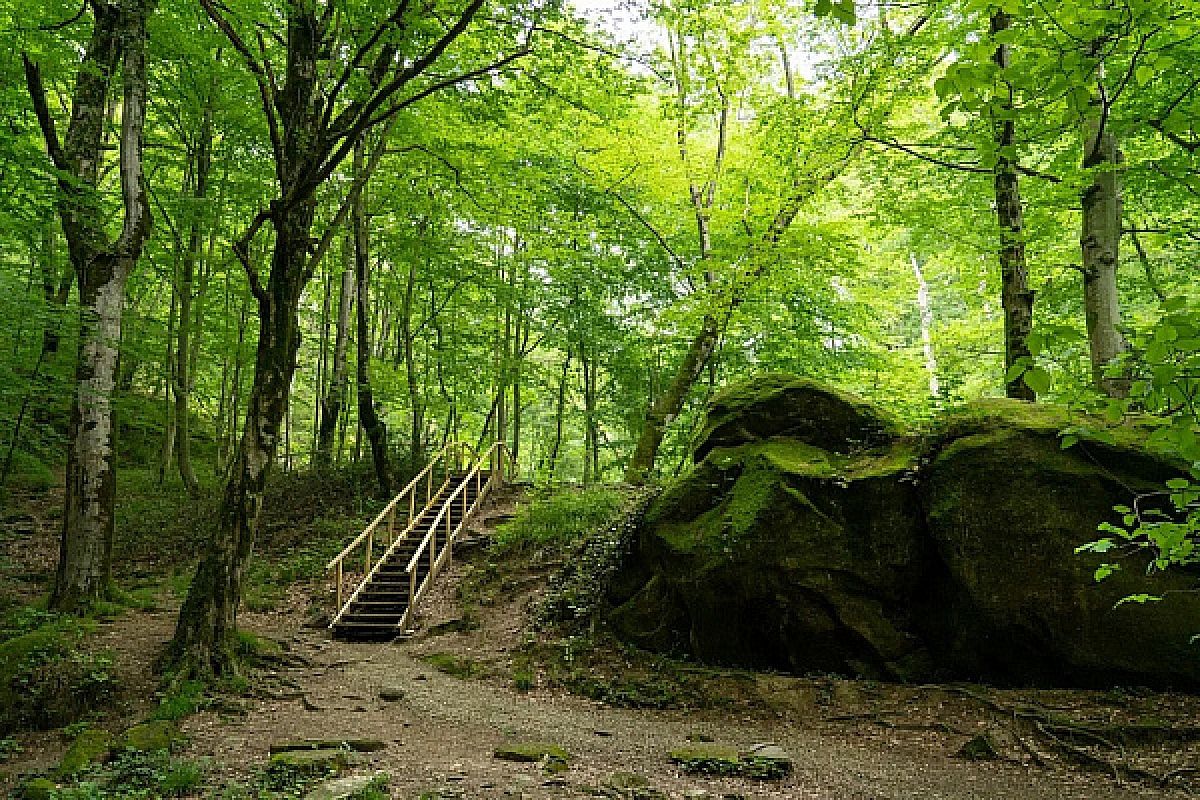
(1104, 570)
(1037, 379)
(1141, 599)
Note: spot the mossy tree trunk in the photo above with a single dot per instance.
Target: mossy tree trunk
(1015, 295)
(102, 265)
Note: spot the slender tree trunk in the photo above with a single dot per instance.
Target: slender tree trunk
(102, 266)
(1100, 242)
(670, 402)
(925, 308)
(1151, 276)
(372, 425)
(183, 377)
(559, 412)
(166, 455)
(335, 400)
(415, 399)
(1015, 295)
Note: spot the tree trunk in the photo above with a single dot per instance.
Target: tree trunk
(416, 402)
(669, 403)
(1015, 295)
(368, 416)
(335, 399)
(182, 385)
(166, 454)
(102, 266)
(1100, 242)
(925, 308)
(559, 412)
(203, 642)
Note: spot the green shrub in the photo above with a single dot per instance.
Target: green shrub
(559, 517)
(47, 682)
(181, 700)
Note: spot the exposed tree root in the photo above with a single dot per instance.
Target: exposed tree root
(1030, 721)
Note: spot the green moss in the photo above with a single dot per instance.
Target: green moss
(458, 666)
(38, 789)
(1041, 419)
(150, 736)
(310, 762)
(531, 752)
(90, 747)
(707, 759)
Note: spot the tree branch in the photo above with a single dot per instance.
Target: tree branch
(37, 93)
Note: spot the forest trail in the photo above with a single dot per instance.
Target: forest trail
(441, 733)
(440, 737)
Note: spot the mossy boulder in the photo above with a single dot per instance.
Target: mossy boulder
(778, 554)
(874, 553)
(149, 737)
(91, 746)
(786, 406)
(1006, 506)
(18, 656)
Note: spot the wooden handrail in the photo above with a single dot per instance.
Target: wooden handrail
(496, 454)
(443, 456)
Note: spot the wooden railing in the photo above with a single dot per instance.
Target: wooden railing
(453, 457)
(382, 529)
(500, 465)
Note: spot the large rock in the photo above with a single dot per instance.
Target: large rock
(950, 555)
(779, 554)
(1006, 507)
(786, 406)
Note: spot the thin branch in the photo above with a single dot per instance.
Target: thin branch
(37, 93)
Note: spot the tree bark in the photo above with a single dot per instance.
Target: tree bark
(1015, 296)
(183, 377)
(335, 399)
(373, 426)
(1100, 242)
(102, 266)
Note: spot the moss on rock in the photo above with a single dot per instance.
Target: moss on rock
(787, 406)
(531, 752)
(91, 746)
(813, 535)
(150, 736)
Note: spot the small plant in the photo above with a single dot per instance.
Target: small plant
(181, 700)
(458, 666)
(9, 747)
(523, 679)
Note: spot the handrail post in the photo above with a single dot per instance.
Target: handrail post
(412, 506)
(412, 594)
(370, 549)
(432, 551)
(339, 586)
(391, 534)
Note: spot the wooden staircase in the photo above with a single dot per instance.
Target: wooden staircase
(386, 593)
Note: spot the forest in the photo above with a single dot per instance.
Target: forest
(646, 283)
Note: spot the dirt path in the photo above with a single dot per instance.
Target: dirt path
(441, 737)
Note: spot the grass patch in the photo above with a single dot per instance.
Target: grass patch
(559, 517)
(182, 700)
(457, 666)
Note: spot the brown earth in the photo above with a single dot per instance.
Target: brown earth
(849, 739)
